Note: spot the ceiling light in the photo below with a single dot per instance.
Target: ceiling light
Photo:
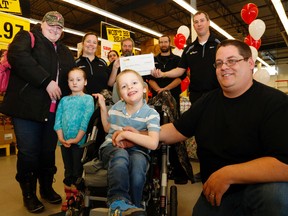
(112, 16)
(281, 13)
(189, 8)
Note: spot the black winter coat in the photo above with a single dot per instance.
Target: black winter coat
(31, 72)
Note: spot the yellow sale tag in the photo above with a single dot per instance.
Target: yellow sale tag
(11, 6)
(10, 25)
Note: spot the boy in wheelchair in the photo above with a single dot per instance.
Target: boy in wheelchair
(127, 164)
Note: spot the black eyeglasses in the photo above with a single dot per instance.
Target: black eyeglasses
(229, 62)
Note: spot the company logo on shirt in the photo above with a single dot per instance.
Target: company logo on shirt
(193, 52)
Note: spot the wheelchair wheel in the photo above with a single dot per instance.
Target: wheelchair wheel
(69, 212)
(173, 200)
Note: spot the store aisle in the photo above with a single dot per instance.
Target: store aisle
(11, 203)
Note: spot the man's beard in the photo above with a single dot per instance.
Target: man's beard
(165, 50)
(127, 53)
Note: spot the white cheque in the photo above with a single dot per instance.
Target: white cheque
(143, 64)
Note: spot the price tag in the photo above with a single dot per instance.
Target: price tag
(10, 6)
(10, 25)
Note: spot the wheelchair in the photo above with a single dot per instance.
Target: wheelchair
(93, 184)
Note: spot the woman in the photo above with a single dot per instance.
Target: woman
(37, 81)
(112, 55)
(97, 74)
(96, 68)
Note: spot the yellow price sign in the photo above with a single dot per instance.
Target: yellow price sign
(10, 25)
(12, 6)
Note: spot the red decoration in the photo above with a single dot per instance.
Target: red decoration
(252, 42)
(184, 84)
(249, 13)
(179, 40)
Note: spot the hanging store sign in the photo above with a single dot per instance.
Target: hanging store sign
(10, 25)
(115, 33)
(10, 6)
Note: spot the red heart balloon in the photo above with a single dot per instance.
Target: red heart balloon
(251, 42)
(185, 84)
(179, 40)
(249, 13)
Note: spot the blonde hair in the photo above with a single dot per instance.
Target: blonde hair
(126, 71)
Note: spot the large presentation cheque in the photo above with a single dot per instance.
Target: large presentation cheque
(143, 64)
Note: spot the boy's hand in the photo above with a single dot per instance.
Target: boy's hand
(119, 142)
(129, 128)
(101, 99)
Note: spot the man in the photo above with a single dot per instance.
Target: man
(166, 61)
(127, 45)
(199, 56)
(242, 140)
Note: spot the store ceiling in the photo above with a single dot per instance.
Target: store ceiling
(166, 17)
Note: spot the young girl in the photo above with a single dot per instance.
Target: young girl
(72, 118)
(127, 165)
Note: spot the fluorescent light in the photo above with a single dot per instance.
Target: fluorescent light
(112, 16)
(72, 48)
(186, 6)
(189, 8)
(281, 13)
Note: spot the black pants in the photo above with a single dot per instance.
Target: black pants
(72, 163)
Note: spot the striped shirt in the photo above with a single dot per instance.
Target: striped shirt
(146, 118)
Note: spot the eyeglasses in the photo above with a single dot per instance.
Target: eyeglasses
(229, 62)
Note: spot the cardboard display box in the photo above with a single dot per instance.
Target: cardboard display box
(7, 135)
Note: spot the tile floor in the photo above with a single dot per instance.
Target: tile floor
(11, 203)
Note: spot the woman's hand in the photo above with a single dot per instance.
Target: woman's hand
(54, 90)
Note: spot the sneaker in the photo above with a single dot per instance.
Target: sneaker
(121, 208)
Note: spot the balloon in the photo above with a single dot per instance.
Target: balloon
(251, 42)
(177, 52)
(184, 30)
(257, 29)
(184, 84)
(254, 53)
(179, 40)
(249, 13)
(262, 75)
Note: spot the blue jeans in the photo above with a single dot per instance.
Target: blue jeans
(126, 173)
(255, 200)
(36, 143)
